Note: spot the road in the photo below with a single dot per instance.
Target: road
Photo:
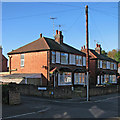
(106, 106)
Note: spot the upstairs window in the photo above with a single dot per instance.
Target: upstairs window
(53, 57)
(104, 64)
(57, 57)
(108, 65)
(64, 58)
(100, 63)
(112, 66)
(115, 66)
(84, 61)
(78, 60)
(72, 59)
(22, 60)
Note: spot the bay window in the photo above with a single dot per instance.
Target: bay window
(72, 59)
(65, 78)
(64, 58)
(79, 78)
(53, 57)
(57, 57)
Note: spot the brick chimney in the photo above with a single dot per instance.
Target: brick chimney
(59, 37)
(40, 35)
(98, 48)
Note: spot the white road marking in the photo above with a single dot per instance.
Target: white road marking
(27, 113)
(106, 99)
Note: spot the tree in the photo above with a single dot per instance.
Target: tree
(112, 53)
(117, 56)
(103, 52)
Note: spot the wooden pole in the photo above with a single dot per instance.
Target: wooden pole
(87, 53)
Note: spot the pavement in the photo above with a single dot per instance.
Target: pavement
(105, 106)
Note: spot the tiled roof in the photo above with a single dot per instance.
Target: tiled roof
(45, 43)
(101, 56)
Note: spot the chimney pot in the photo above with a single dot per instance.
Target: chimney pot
(96, 45)
(56, 32)
(40, 35)
(59, 32)
(84, 46)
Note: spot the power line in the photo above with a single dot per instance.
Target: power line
(47, 13)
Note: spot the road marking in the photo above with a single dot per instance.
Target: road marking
(44, 110)
(106, 99)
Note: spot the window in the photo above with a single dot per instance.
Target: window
(79, 78)
(114, 79)
(115, 66)
(84, 61)
(106, 78)
(57, 57)
(98, 79)
(112, 66)
(104, 64)
(53, 57)
(108, 65)
(100, 63)
(65, 78)
(22, 60)
(72, 59)
(64, 58)
(78, 60)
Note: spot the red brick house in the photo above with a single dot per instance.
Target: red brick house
(102, 68)
(3, 62)
(59, 63)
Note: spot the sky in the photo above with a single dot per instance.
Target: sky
(22, 23)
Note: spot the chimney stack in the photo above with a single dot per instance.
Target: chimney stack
(40, 35)
(98, 48)
(59, 37)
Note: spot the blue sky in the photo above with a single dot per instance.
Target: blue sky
(23, 22)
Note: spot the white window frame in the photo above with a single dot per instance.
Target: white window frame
(59, 84)
(22, 60)
(100, 63)
(61, 58)
(72, 59)
(108, 65)
(57, 57)
(84, 61)
(79, 79)
(53, 60)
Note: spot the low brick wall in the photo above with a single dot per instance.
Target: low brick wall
(63, 92)
(14, 98)
(10, 94)
(96, 91)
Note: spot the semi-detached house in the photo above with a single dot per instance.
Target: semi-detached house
(103, 69)
(60, 64)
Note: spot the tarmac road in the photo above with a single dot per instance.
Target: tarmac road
(106, 106)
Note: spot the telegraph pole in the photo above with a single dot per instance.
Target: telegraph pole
(87, 53)
(53, 18)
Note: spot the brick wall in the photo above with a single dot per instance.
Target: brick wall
(33, 63)
(66, 91)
